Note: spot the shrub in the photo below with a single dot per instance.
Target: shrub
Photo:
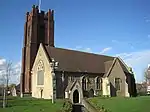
(67, 106)
(100, 93)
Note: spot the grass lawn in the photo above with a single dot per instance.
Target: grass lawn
(118, 104)
(31, 105)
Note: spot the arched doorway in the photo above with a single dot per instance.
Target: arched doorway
(91, 93)
(76, 96)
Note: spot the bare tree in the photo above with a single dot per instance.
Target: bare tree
(6, 72)
(147, 76)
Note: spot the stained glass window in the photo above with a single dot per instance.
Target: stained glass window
(40, 77)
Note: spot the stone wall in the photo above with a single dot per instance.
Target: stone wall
(117, 72)
(90, 81)
(88, 106)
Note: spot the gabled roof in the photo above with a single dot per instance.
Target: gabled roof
(70, 86)
(18, 87)
(77, 61)
(122, 64)
(111, 67)
(108, 65)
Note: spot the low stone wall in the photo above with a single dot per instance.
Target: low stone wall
(88, 106)
(27, 94)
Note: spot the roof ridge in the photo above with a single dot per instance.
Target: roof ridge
(80, 60)
(126, 66)
(81, 51)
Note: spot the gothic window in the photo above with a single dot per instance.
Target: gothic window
(40, 65)
(40, 73)
(84, 83)
(87, 82)
(40, 77)
(98, 83)
(71, 78)
(117, 83)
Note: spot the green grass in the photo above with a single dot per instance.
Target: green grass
(31, 105)
(118, 104)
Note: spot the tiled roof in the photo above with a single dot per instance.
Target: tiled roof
(76, 61)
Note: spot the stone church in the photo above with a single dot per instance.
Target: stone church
(49, 71)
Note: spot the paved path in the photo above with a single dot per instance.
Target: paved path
(78, 108)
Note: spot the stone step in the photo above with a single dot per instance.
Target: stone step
(78, 108)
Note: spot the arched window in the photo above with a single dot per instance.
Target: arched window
(40, 73)
(117, 83)
(40, 77)
(98, 83)
(71, 78)
(87, 82)
(84, 83)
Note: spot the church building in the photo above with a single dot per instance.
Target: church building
(49, 71)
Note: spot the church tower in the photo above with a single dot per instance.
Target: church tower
(38, 28)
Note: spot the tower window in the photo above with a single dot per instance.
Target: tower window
(29, 31)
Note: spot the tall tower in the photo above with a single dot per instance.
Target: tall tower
(38, 28)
